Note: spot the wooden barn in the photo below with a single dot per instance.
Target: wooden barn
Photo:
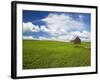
(77, 40)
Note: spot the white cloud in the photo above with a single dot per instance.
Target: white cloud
(66, 37)
(43, 38)
(58, 24)
(81, 17)
(83, 34)
(44, 29)
(27, 37)
(30, 27)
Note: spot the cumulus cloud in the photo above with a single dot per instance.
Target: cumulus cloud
(30, 27)
(61, 23)
(66, 37)
(43, 38)
(61, 27)
(81, 17)
(84, 36)
(44, 29)
(28, 37)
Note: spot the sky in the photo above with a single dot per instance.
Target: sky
(59, 26)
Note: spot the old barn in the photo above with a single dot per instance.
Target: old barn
(76, 40)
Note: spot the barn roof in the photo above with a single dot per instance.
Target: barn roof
(75, 37)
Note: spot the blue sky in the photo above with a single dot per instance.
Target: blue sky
(55, 25)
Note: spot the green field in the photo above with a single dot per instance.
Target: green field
(54, 54)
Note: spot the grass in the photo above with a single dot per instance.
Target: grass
(53, 54)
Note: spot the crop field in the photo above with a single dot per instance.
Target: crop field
(39, 54)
